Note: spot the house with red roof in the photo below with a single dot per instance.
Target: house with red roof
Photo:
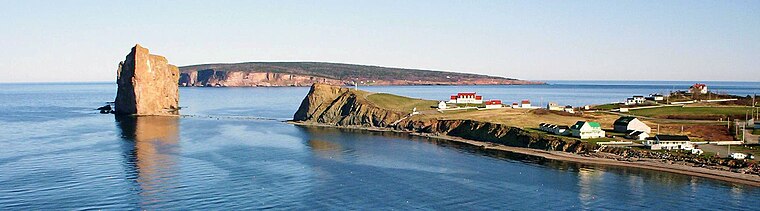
(493, 104)
(698, 88)
(466, 97)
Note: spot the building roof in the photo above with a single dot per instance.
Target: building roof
(624, 121)
(699, 86)
(526, 102)
(563, 127)
(638, 96)
(580, 124)
(636, 133)
(493, 102)
(672, 138)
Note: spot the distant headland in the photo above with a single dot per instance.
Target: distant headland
(307, 73)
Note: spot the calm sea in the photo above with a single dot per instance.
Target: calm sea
(233, 152)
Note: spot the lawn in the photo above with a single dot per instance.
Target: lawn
(607, 106)
(705, 113)
(756, 131)
(401, 103)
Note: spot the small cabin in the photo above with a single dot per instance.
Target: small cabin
(442, 105)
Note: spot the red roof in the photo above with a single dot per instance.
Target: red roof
(465, 94)
(526, 102)
(699, 86)
(493, 102)
(478, 97)
(453, 97)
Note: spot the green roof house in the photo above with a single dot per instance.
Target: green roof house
(587, 130)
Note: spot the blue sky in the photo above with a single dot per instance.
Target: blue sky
(537, 40)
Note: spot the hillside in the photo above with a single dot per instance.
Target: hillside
(307, 73)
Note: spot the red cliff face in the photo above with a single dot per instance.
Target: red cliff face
(147, 85)
(308, 73)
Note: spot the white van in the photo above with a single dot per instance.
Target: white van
(738, 156)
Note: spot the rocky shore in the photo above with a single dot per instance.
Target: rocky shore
(333, 106)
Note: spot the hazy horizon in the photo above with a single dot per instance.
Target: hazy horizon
(83, 41)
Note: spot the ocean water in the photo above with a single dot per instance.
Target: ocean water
(232, 151)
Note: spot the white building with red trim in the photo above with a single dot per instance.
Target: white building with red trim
(493, 104)
(466, 97)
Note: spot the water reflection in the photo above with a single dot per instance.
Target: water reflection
(150, 154)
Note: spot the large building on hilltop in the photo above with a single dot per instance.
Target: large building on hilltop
(466, 97)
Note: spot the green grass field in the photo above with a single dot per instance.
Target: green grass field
(607, 106)
(694, 112)
(756, 132)
(400, 103)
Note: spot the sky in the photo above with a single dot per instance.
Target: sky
(82, 41)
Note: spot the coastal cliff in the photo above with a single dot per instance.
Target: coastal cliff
(333, 105)
(327, 105)
(308, 73)
(146, 85)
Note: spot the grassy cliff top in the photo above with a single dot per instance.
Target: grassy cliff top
(400, 103)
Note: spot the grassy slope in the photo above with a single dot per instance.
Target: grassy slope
(527, 119)
(692, 111)
(400, 103)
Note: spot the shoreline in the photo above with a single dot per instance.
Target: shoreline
(648, 164)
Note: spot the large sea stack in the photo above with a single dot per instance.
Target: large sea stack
(147, 85)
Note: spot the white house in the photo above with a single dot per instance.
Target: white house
(493, 104)
(629, 101)
(586, 130)
(637, 99)
(637, 135)
(625, 124)
(698, 88)
(656, 97)
(466, 97)
(442, 105)
(670, 142)
(525, 104)
(569, 109)
(552, 106)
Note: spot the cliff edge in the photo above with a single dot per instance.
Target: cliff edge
(337, 106)
(147, 85)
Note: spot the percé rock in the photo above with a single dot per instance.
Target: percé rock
(333, 105)
(147, 85)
